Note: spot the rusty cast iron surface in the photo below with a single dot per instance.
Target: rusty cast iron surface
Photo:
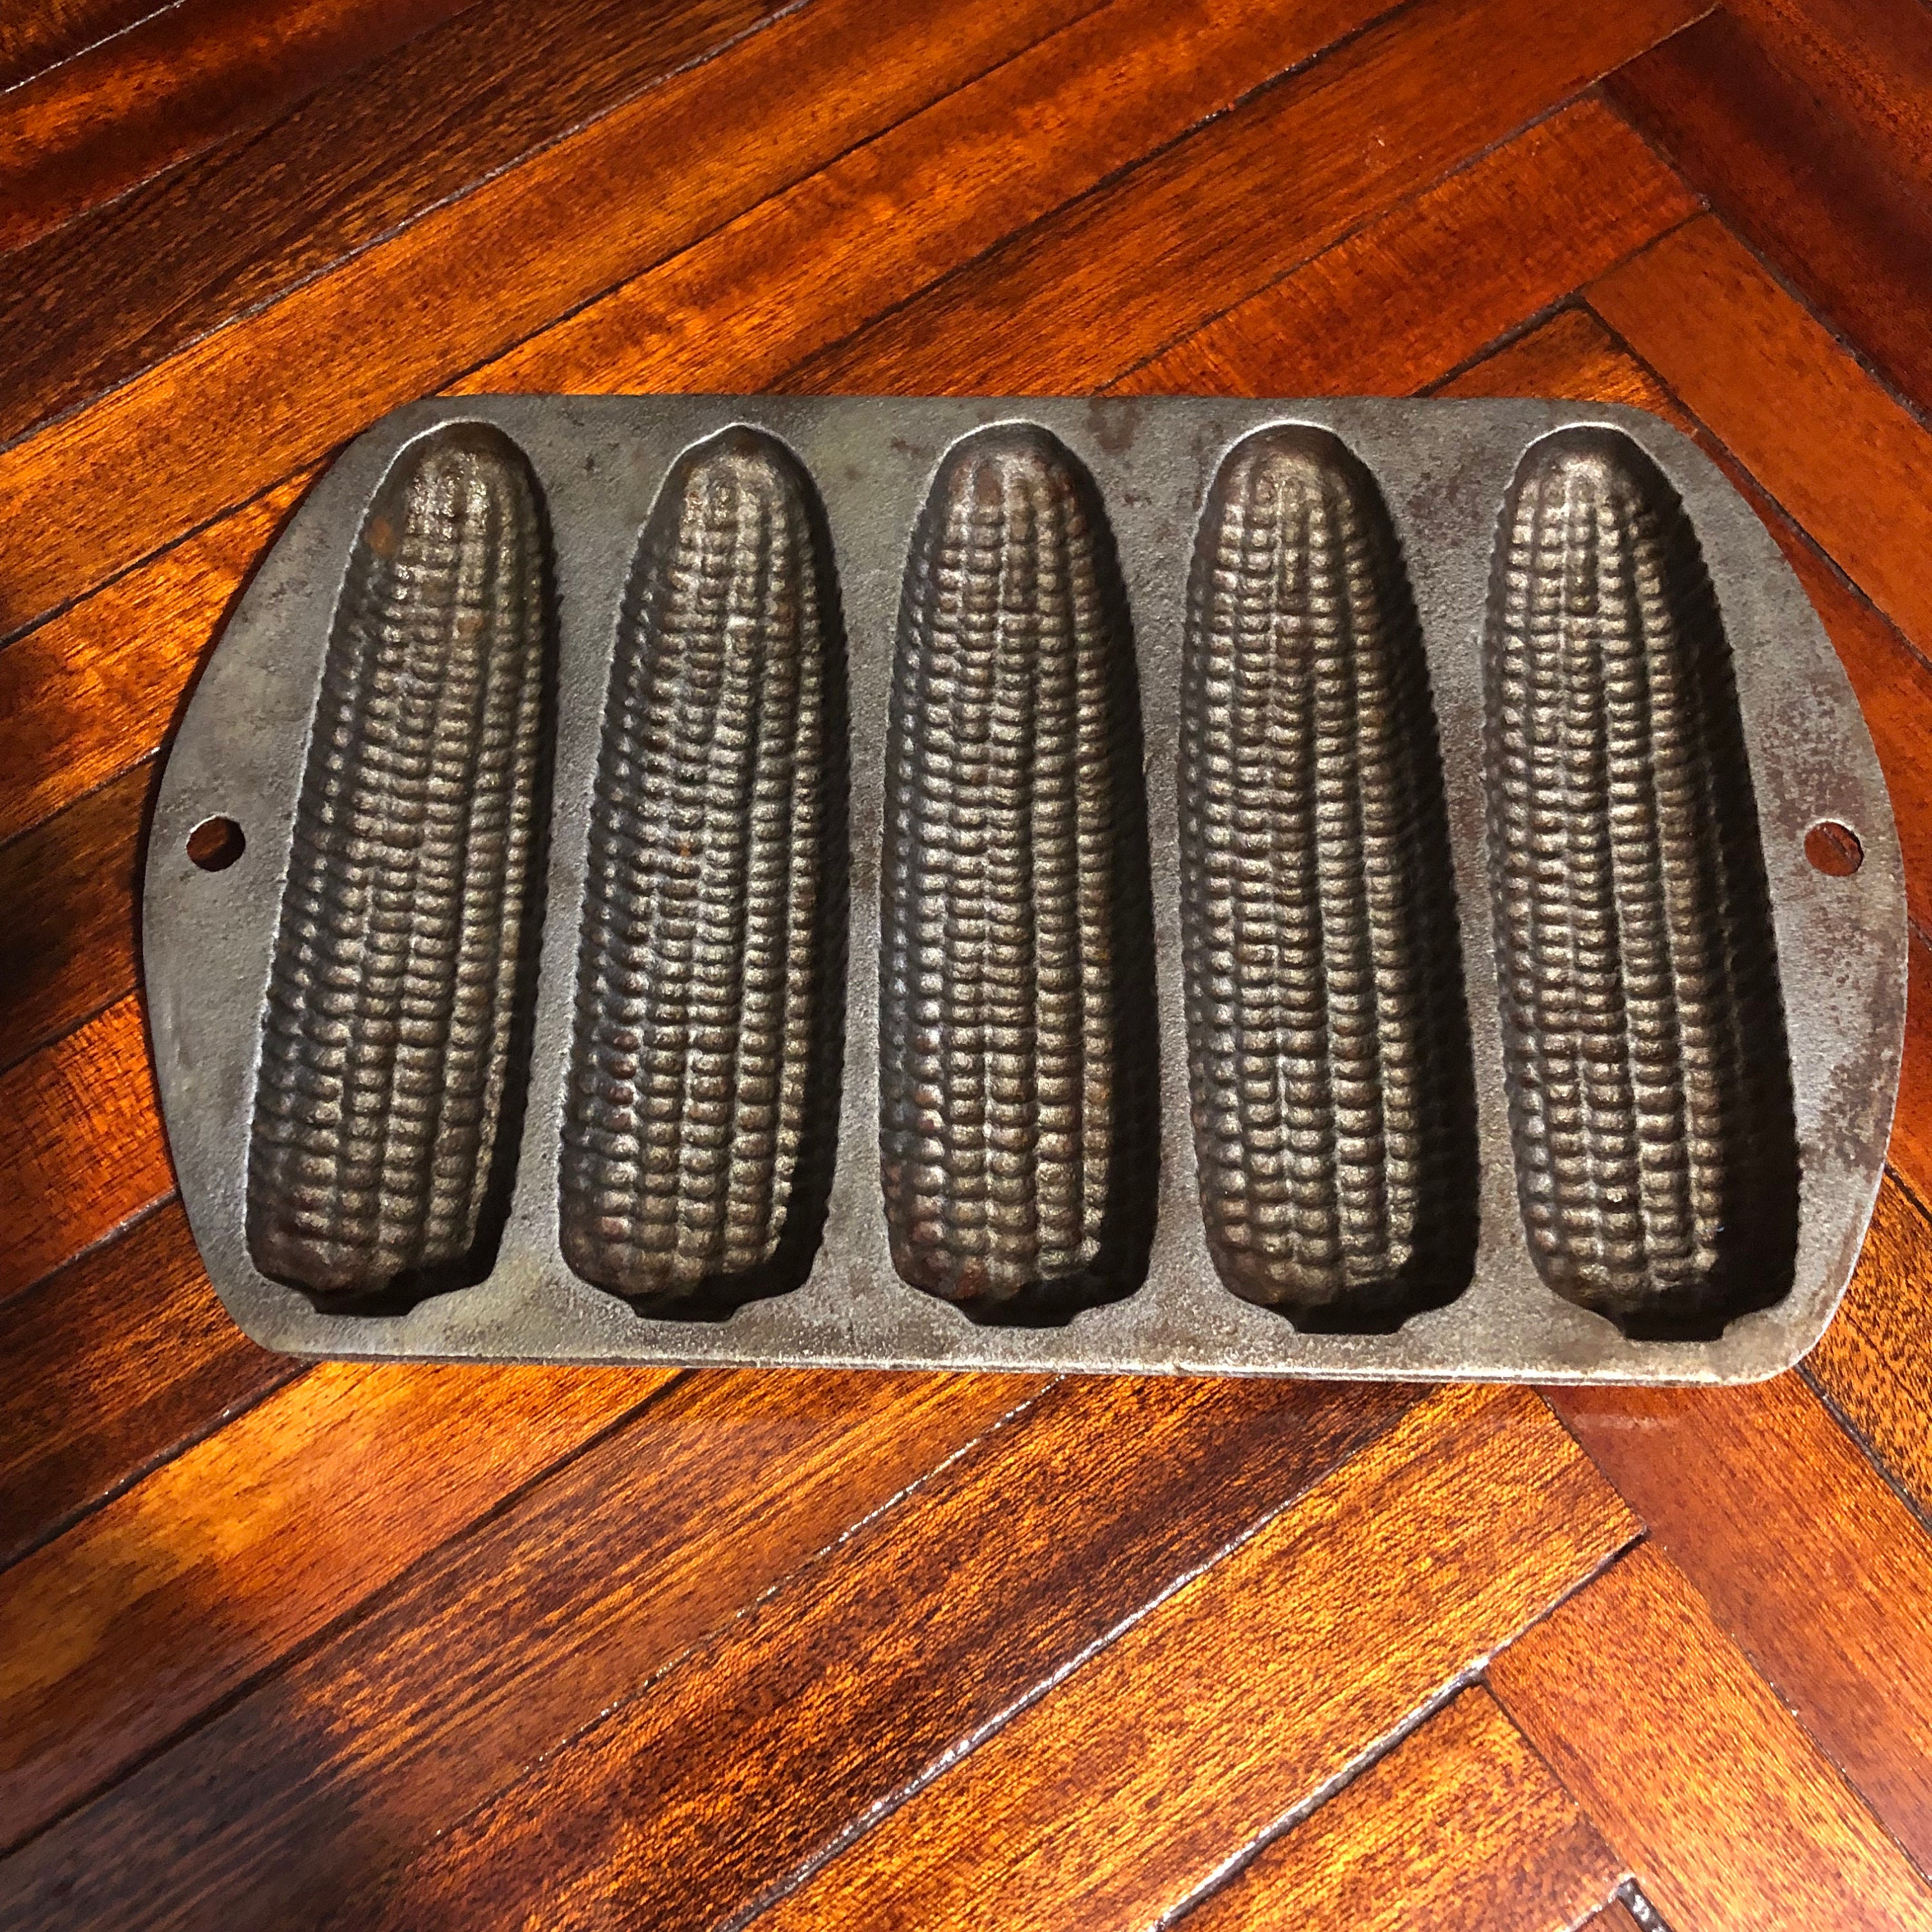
(1260, 887)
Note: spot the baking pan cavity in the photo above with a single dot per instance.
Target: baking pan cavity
(394, 1034)
(1017, 1032)
(701, 1112)
(1643, 1039)
(1256, 887)
(1334, 1111)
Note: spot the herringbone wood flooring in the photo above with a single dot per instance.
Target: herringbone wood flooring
(434, 1647)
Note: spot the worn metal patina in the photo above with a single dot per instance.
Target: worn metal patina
(1310, 888)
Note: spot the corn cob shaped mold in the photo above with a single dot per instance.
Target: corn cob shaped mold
(1016, 1018)
(387, 1103)
(1644, 1048)
(702, 1105)
(1328, 1055)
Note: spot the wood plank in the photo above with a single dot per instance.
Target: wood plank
(1685, 1760)
(1247, 1690)
(473, 277)
(909, 1634)
(1837, 452)
(93, 692)
(1614, 1917)
(1243, 201)
(1810, 193)
(1572, 357)
(109, 1368)
(1442, 273)
(71, 886)
(743, 308)
(1875, 1362)
(172, 84)
(1870, 61)
(34, 38)
(191, 1583)
(1841, 1622)
(81, 1149)
(1910, 1149)
(120, 288)
(1460, 1825)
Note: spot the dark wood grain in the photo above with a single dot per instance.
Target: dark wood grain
(91, 693)
(109, 1368)
(67, 947)
(1614, 1917)
(1686, 1761)
(189, 1585)
(1875, 1362)
(1247, 1695)
(174, 84)
(118, 288)
(745, 307)
(1443, 273)
(502, 1646)
(1460, 1827)
(80, 1144)
(36, 33)
(1810, 193)
(1869, 61)
(475, 275)
(1840, 454)
(1243, 201)
(1026, 1554)
(1841, 1624)
(1910, 1149)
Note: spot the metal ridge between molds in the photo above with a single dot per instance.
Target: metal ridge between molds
(1414, 502)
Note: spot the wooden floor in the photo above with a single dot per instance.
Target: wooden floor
(430, 1648)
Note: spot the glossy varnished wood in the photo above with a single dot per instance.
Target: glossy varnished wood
(109, 1368)
(170, 85)
(284, 1646)
(838, 1688)
(80, 1144)
(1845, 458)
(1461, 1825)
(249, 1542)
(1841, 1624)
(1445, 273)
(1248, 1696)
(1022, 317)
(1875, 1362)
(568, 1601)
(1824, 202)
(1683, 1757)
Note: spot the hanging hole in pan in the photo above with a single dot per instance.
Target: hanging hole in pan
(215, 844)
(1833, 849)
